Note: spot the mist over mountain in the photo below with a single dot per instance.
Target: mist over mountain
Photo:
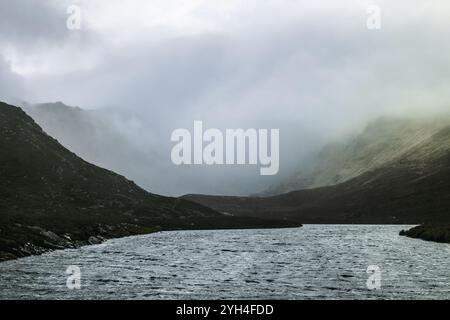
(121, 142)
(381, 142)
(311, 69)
(103, 137)
(396, 171)
(227, 150)
(52, 199)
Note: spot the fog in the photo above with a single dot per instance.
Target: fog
(309, 68)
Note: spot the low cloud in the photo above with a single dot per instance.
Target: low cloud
(12, 86)
(313, 70)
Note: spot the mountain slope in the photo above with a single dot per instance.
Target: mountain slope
(412, 188)
(101, 137)
(51, 198)
(381, 142)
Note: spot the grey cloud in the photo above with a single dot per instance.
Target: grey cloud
(12, 87)
(25, 22)
(316, 78)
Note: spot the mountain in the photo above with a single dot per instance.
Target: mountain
(51, 198)
(410, 186)
(102, 137)
(381, 142)
(135, 143)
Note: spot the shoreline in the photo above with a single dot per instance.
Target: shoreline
(429, 232)
(50, 241)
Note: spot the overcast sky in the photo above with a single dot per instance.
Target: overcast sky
(311, 68)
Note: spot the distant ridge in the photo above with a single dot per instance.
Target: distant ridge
(409, 185)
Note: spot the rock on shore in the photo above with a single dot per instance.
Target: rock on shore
(437, 233)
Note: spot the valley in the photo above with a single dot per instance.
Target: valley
(52, 199)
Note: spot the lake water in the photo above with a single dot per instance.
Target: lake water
(313, 262)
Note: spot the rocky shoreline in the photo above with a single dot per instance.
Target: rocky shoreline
(40, 240)
(436, 233)
(18, 240)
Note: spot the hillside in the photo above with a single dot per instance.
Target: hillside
(412, 188)
(381, 142)
(51, 198)
(101, 138)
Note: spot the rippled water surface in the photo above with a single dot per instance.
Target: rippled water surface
(313, 262)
